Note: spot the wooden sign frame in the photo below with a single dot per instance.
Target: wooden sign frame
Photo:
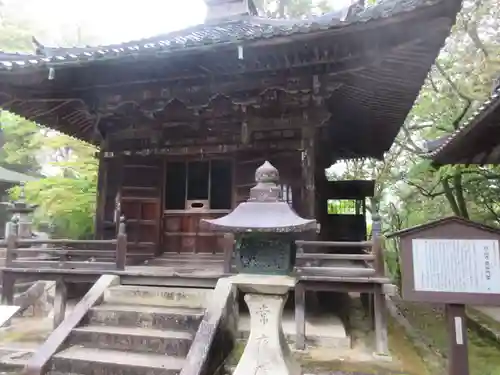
(450, 228)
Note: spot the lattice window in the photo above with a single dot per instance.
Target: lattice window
(345, 207)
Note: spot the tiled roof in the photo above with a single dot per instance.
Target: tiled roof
(241, 29)
(492, 102)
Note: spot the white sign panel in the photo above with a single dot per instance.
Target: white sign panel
(456, 266)
(7, 312)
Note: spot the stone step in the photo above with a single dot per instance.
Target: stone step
(143, 316)
(138, 340)
(158, 296)
(87, 361)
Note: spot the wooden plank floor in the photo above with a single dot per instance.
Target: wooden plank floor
(184, 265)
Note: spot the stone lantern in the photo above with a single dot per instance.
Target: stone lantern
(265, 229)
(23, 211)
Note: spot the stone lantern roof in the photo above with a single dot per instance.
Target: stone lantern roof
(265, 211)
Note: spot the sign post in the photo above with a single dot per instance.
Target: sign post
(457, 335)
(455, 262)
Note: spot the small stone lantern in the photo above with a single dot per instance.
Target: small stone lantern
(265, 227)
(23, 211)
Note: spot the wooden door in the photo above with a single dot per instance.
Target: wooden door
(141, 203)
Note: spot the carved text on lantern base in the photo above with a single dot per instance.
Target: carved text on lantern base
(267, 351)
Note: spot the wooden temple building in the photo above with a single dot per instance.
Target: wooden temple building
(183, 120)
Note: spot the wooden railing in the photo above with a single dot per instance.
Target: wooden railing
(364, 273)
(66, 253)
(370, 263)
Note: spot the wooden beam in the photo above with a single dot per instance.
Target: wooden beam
(319, 256)
(67, 253)
(346, 279)
(356, 244)
(336, 271)
(285, 145)
(66, 242)
(318, 118)
(69, 265)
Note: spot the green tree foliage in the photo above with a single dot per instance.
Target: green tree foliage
(67, 197)
(293, 8)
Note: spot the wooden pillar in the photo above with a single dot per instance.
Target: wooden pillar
(60, 301)
(300, 316)
(101, 197)
(380, 310)
(458, 356)
(379, 302)
(8, 281)
(309, 190)
(308, 171)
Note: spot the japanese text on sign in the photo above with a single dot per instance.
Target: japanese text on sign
(456, 266)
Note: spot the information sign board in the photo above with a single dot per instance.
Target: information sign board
(456, 266)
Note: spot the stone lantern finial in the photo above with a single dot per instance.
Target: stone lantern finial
(266, 189)
(267, 173)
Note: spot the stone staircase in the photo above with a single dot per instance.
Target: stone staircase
(135, 330)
